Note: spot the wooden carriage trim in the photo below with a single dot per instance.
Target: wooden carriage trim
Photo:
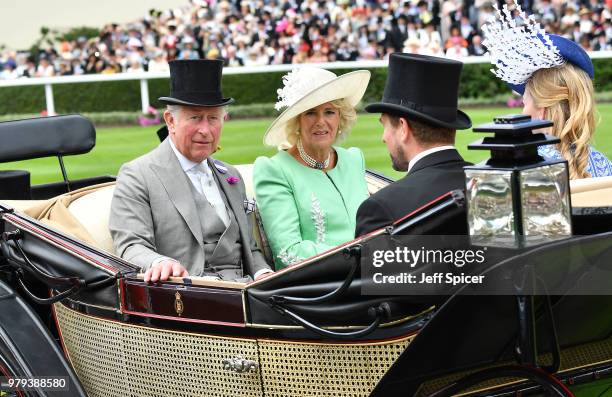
(201, 281)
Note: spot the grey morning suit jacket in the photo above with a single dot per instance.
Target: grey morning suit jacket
(153, 213)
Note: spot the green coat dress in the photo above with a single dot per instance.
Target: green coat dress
(307, 211)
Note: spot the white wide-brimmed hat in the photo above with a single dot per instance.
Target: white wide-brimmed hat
(308, 87)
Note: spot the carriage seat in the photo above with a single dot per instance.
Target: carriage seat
(246, 174)
(22, 205)
(592, 192)
(93, 211)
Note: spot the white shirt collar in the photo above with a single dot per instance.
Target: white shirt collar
(427, 152)
(186, 164)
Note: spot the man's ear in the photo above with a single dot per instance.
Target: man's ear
(405, 132)
(169, 119)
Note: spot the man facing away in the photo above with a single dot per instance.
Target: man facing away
(176, 211)
(419, 118)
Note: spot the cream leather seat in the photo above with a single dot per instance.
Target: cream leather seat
(22, 205)
(93, 212)
(592, 192)
(246, 172)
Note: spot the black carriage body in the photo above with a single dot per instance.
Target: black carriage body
(27, 349)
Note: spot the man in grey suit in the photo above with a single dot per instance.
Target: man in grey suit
(176, 211)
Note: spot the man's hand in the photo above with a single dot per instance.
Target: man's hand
(163, 270)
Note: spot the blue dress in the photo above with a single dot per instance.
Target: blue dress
(598, 165)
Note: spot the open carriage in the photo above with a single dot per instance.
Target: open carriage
(306, 330)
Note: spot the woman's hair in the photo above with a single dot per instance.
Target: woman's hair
(566, 94)
(348, 116)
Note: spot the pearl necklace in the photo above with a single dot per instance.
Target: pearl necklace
(309, 160)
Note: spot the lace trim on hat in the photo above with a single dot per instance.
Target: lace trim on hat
(518, 50)
(296, 84)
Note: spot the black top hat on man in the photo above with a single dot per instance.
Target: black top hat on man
(196, 83)
(424, 88)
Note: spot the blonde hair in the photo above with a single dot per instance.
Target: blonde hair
(566, 94)
(348, 116)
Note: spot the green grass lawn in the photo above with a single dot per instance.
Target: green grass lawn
(242, 143)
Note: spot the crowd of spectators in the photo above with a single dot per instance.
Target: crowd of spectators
(263, 32)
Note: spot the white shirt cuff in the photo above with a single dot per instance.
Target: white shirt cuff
(260, 272)
(160, 259)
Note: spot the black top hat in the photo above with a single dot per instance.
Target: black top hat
(196, 83)
(424, 88)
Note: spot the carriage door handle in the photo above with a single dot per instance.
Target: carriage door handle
(240, 365)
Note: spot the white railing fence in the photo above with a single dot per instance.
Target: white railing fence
(49, 82)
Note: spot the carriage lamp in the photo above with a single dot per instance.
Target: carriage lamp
(516, 198)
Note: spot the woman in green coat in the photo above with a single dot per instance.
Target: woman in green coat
(309, 192)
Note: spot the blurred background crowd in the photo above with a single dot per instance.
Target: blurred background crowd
(264, 32)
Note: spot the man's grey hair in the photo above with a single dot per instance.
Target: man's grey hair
(174, 109)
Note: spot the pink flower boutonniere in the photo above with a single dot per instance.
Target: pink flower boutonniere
(232, 180)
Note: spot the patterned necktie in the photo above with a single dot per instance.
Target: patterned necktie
(212, 192)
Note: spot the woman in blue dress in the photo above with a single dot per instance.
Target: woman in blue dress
(554, 75)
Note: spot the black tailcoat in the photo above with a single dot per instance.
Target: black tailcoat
(431, 177)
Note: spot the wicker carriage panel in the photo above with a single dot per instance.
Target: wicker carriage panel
(115, 359)
(309, 369)
(583, 355)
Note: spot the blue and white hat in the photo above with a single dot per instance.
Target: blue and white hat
(519, 50)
